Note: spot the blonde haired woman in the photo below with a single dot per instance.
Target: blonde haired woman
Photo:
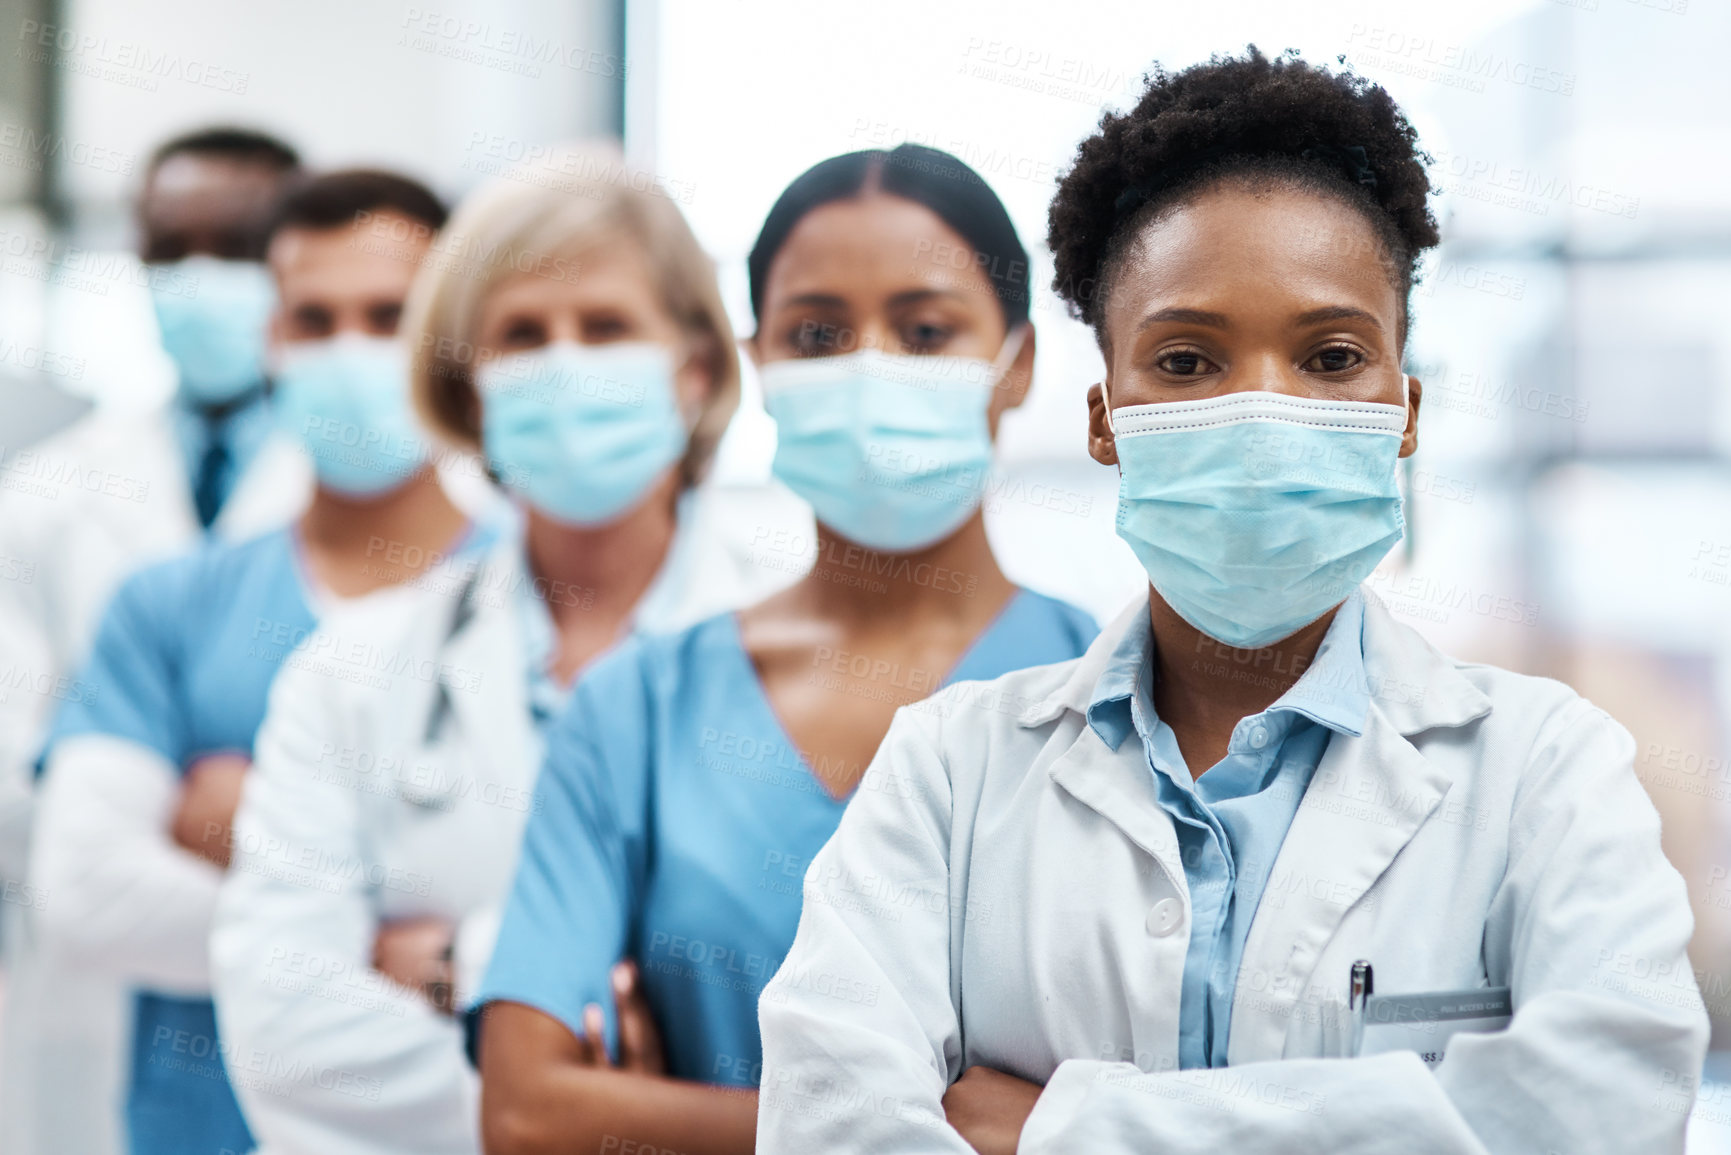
(571, 331)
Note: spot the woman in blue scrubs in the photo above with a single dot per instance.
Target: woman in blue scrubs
(694, 775)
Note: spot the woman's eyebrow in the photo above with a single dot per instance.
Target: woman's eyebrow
(822, 300)
(919, 296)
(1336, 313)
(1186, 316)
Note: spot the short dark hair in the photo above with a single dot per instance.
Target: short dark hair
(1231, 118)
(957, 194)
(336, 199)
(241, 144)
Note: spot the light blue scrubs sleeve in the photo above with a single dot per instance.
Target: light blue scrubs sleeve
(127, 687)
(583, 854)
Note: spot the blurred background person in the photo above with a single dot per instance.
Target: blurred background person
(203, 212)
(143, 774)
(695, 775)
(572, 333)
(134, 488)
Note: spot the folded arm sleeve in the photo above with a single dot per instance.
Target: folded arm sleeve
(860, 1037)
(117, 889)
(1594, 1061)
(571, 901)
(326, 1054)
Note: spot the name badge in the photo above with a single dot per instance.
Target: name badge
(1424, 1023)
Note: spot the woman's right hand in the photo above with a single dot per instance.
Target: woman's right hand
(639, 1040)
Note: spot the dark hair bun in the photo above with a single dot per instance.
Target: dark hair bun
(1334, 132)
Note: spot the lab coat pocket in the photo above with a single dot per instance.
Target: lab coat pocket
(1318, 1024)
(1424, 1023)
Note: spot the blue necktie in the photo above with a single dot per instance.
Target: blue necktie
(208, 487)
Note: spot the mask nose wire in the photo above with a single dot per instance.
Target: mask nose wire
(1406, 400)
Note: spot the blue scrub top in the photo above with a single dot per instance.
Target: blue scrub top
(187, 649)
(183, 664)
(673, 824)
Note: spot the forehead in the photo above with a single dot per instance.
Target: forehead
(353, 254)
(608, 267)
(873, 246)
(1243, 246)
(197, 187)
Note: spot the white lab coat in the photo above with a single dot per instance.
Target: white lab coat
(352, 817)
(78, 512)
(1003, 897)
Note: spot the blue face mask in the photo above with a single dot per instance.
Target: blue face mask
(347, 401)
(582, 431)
(1256, 513)
(213, 316)
(892, 452)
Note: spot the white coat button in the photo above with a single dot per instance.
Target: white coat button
(1164, 917)
(1258, 738)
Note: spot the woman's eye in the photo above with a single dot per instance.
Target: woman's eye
(383, 319)
(1335, 360)
(600, 330)
(816, 339)
(523, 334)
(926, 338)
(1184, 364)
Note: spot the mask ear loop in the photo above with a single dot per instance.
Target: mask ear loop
(1008, 352)
(681, 357)
(1404, 473)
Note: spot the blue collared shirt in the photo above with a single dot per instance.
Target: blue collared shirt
(242, 433)
(1232, 819)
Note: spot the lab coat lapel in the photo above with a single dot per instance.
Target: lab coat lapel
(159, 463)
(274, 488)
(484, 667)
(473, 730)
(1116, 784)
(1367, 799)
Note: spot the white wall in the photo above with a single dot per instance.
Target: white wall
(427, 87)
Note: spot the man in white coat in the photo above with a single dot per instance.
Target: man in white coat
(1261, 872)
(86, 507)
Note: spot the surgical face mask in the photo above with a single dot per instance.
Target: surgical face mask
(582, 431)
(213, 315)
(347, 401)
(891, 451)
(1256, 513)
